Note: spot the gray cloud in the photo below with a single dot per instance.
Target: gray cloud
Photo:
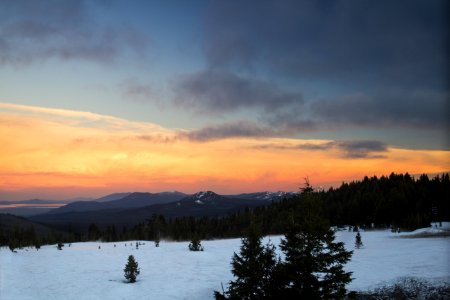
(394, 109)
(368, 149)
(388, 58)
(370, 42)
(361, 149)
(228, 130)
(39, 30)
(219, 92)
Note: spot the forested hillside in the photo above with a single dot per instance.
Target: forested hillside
(397, 201)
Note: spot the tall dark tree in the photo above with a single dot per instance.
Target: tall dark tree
(131, 269)
(314, 262)
(253, 268)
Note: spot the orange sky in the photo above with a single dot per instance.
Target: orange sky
(62, 154)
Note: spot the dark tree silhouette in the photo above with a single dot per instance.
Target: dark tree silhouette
(195, 244)
(358, 241)
(253, 268)
(314, 262)
(131, 269)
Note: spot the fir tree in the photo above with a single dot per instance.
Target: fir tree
(313, 266)
(59, 246)
(131, 269)
(37, 243)
(253, 268)
(195, 244)
(13, 244)
(358, 241)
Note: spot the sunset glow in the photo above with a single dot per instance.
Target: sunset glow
(63, 151)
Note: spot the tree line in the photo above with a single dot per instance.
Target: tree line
(397, 200)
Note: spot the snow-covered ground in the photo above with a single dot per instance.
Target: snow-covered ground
(82, 271)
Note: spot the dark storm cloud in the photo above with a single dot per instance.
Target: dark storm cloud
(368, 149)
(389, 59)
(218, 92)
(37, 30)
(413, 110)
(240, 129)
(346, 41)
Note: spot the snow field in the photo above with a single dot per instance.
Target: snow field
(171, 271)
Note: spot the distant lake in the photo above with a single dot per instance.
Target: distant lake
(51, 205)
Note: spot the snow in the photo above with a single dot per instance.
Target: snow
(171, 271)
(435, 228)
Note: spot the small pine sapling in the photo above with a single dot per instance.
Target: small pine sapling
(131, 269)
(195, 244)
(358, 241)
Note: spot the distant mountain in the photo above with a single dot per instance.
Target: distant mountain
(270, 196)
(130, 200)
(200, 204)
(112, 197)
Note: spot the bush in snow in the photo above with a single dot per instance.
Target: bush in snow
(195, 244)
(60, 245)
(408, 288)
(358, 241)
(131, 269)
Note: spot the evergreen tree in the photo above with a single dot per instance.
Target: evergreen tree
(37, 243)
(313, 266)
(131, 269)
(12, 244)
(195, 244)
(253, 268)
(358, 241)
(59, 246)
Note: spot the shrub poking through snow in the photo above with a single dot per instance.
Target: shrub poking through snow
(358, 241)
(409, 288)
(131, 270)
(60, 245)
(195, 244)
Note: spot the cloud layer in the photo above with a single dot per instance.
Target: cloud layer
(38, 30)
(223, 92)
(374, 64)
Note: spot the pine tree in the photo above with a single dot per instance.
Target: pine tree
(195, 244)
(253, 268)
(12, 244)
(59, 246)
(313, 266)
(37, 243)
(131, 269)
(358, 241)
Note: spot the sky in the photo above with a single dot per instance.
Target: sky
(232, 96)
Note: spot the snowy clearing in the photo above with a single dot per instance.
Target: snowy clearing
(83, 271)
